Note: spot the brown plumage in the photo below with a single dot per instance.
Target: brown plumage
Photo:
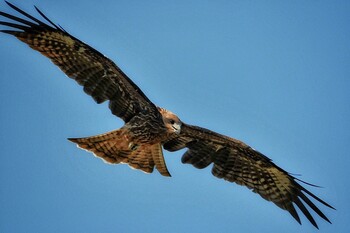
(147, 127)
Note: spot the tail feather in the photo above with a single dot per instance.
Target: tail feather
(114, 148)
(157, 154)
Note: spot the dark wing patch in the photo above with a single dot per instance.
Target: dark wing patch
(99, 76)
(199, 154)
(236, 162)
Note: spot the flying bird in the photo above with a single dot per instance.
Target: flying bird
(149, 128)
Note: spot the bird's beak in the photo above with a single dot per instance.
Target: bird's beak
(177, 128)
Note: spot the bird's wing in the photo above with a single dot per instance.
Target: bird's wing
(237, 162)
(100, 77)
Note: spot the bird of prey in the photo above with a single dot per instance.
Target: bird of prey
(149, 128)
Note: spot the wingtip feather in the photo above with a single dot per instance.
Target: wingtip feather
(317, 198)
(313, 206)
(306, 212)
(294, 213)
(74, 140)
(11, 32)
(8, 3)
(45, 17)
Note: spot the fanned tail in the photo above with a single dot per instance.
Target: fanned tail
(114, 148)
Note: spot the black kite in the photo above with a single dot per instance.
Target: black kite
(148, 128)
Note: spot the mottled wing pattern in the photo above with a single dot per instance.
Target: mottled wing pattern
(236, 162)
(99, 76)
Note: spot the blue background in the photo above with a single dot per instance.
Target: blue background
(274, 74)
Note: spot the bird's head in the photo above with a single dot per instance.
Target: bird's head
(171, 121)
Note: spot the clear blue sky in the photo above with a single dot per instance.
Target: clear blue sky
(273, 74)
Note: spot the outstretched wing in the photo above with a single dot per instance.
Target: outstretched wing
(100, 77)
(237, 162)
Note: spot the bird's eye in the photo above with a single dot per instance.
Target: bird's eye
(172, 122)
